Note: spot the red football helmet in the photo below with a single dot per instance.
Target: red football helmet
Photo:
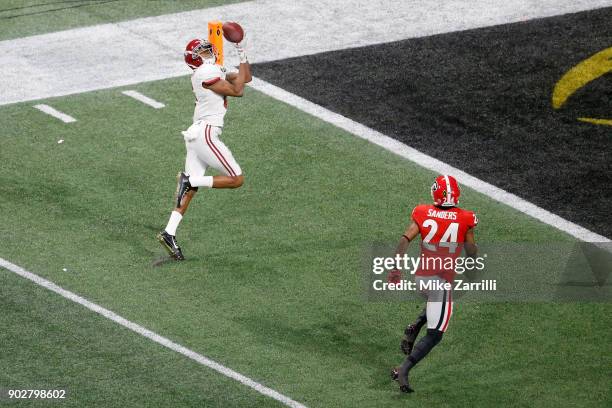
(445, 191)
(196, 49)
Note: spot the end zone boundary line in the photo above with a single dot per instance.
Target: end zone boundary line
(428, 162)
(199, 358)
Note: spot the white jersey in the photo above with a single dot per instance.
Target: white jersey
(210, 106)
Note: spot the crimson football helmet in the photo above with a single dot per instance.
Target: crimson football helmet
(197, 50)
(445, 191)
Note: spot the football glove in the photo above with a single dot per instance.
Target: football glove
(240, 48)
(394, 276)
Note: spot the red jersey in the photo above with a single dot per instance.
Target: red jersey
(442, 232)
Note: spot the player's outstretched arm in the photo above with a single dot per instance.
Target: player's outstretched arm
(233, 85)
(227, 88)
(236, 76)
(247, 72)
(470, 243)
(411, 232)
(244, 70)
(395, 275)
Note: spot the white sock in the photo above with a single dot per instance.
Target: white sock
(201, 181)
(173, 222)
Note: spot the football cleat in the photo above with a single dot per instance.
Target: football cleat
(169, 243)
(406, 389)
(182, 187)
(404, 384)
(410, 335)
(445, 191)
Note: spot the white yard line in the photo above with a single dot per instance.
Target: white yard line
(144, 99)
(146, 49)
(199, 358)
(427, 162)
(55, 113)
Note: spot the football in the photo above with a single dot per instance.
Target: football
(233, 32)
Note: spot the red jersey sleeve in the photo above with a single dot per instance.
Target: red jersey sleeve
(472, 220)
(418, 213)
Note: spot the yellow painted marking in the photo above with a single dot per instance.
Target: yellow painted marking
(580, 75)
(607, 122)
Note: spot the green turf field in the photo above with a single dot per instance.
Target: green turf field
(20, 18)
(272, 287)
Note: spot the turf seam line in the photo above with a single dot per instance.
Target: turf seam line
(144, 99)
(428, 162)
(199, 358)
(55, 113)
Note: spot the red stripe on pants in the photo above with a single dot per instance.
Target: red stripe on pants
(216, 151)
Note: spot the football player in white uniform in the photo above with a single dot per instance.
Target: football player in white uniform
(211, 86)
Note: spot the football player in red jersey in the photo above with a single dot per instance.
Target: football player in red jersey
(444, 229)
